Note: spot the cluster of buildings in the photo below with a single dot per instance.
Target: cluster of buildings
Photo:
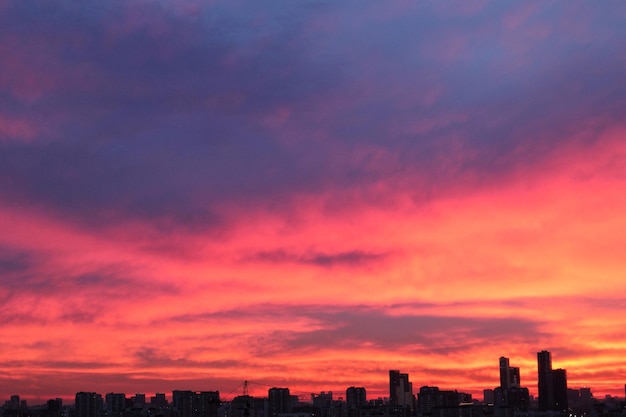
(509, 399)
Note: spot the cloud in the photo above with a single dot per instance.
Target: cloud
(12, 129)
(349, 258)
(310, 189)
(14, 261)
(442, 335)
(175, 132)
(428, 328)
(148, 358)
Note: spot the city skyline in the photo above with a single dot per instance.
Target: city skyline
(400, 389)
(310, 194)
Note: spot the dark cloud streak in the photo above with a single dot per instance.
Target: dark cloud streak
(354, 258)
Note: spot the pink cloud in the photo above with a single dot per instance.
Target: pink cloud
(16, 129)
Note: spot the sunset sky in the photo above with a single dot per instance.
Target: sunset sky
(307, 194)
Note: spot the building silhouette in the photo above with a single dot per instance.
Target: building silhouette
(195, 404)
(356, 397)
(432, 401)
(488, 396)
(279, 401)
(159, 400)
(545, 386)
(510, 397)
(505, 373)
(356, 400)
(427, 399)
(401, 391)
(115, 403)
(241, 406)
(54, 407)
(559, 390)
(88, 404)
(139, 400)
(552, 385)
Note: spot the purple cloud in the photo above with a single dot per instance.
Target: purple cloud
(151, 113)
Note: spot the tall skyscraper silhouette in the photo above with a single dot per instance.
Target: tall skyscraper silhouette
(559, 391)
(509, 375)
(544, 381)
(551, 384)
(505, 373)
(510, 396)
(400, 390)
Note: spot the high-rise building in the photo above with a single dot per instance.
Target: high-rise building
(394, 383)
(505, 373)
(511, 399)
(510, 396)
(509, 375)
(195, 404)
(400, 390)
(545, 385)
(323, 400)
(14, 402)
(182, 403)
(585, 401)
(279, 401)
(324, 403)
(559, 390)
(432, 400)
(207, 403)
(139, 400)
(427, 399)
(356, 398)
(514, 377)
(159, 400)
(88, 404)
(488, 397)
(54, 407)
(551, 383)
(115, 403)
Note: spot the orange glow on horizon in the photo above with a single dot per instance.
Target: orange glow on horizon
(275, 297)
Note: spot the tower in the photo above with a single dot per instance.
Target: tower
(394, 382)
(544, 380)
(515, 378)
(510, 396)
(559, 390)
(400, 390)
(505, 373)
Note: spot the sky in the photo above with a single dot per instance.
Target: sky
(307, 194)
